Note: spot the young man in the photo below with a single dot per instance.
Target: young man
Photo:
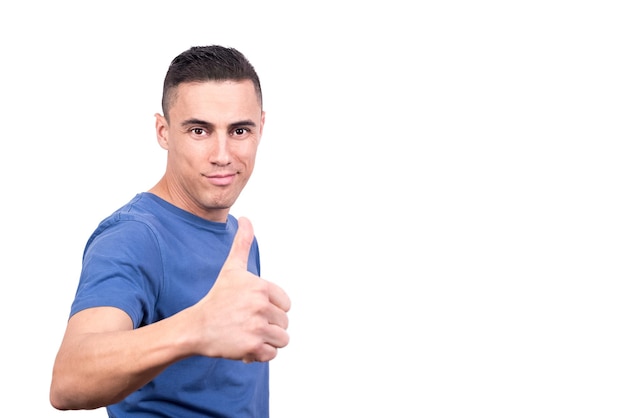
(171, 317)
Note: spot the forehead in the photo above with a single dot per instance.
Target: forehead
(212, 92)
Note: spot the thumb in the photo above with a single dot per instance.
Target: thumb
(240, 250)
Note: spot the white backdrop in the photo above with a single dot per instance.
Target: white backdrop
(440, 189)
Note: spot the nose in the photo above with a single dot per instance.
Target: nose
(220, 152)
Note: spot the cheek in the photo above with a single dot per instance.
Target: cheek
(188, 154)
(246, 154)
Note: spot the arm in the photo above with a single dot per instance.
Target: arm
(102, 359)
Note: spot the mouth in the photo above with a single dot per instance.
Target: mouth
(221, 179)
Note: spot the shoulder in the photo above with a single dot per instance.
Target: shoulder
(135, 222)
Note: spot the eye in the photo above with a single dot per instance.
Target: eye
(240, 131)
(197, 131)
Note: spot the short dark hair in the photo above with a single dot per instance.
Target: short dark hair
(205, 63)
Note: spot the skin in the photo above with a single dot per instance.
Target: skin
(211, 135)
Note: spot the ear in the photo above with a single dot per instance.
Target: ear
(262, 124)
(162, 130)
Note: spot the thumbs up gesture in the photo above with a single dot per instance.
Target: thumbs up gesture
(243, 317)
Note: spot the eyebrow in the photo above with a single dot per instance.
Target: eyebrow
(203, 123)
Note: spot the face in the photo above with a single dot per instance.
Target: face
(211, 138)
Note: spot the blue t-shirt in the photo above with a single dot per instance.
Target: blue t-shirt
(152, 259)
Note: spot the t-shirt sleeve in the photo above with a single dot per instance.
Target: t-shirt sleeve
(122, 268)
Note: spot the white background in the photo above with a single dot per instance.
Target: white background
(440, 189)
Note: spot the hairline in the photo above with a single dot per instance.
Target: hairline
(172, 91)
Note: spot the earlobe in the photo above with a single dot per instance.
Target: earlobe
(162, 130)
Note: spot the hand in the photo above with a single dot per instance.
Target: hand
(243, 316)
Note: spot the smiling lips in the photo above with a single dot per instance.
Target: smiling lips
(221, 179)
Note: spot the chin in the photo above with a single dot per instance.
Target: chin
(218, 204)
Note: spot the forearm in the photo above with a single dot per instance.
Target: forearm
(97, 369)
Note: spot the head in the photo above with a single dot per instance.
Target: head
(211, 127)
(207, 63)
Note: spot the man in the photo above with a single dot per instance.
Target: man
(170, 317)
